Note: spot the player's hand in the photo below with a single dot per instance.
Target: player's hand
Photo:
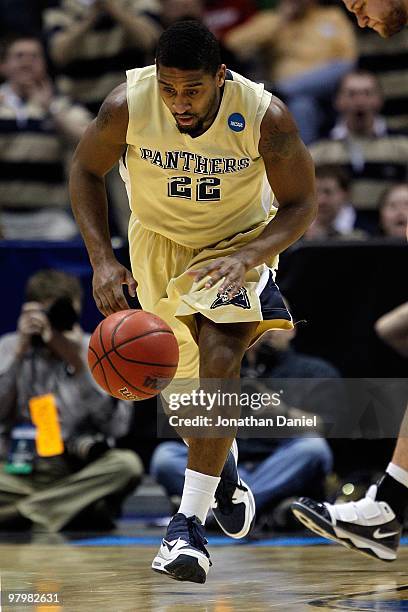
(107, 284)
(232, 269)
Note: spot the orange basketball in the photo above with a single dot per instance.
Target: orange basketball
(133, 354)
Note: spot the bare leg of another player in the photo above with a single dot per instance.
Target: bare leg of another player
(372, 525)
(182, 554)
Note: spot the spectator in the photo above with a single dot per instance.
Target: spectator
(308, 49)
(274, 468)
(46, 392)
(93, 42)
(389, 63)
(222, 15)
(393, 209)
(361, 143)
(336, 216)
(36, 128)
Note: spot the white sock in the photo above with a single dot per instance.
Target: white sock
(398, 473)
(198, 494)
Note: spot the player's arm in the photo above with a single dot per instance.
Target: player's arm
(290, 171)
(98, 151)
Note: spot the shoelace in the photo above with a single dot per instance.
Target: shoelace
(224, 495)
(196, 533)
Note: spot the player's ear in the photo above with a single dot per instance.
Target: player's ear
(220, 75)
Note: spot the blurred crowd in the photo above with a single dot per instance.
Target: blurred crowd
(59, 59)
(347, 90)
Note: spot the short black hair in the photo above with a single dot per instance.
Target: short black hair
(189, 45)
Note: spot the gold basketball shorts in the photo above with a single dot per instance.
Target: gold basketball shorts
(160, 268)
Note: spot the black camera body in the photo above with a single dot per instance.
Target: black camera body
(62, 317)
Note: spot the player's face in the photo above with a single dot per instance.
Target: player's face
(192, 96)
(394, 213)
(387, 17)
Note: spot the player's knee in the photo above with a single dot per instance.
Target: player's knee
(220, 362)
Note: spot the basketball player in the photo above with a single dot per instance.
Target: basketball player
(201, 150)
(372, 525)
(387, 17)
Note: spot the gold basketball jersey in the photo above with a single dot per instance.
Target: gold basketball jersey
(196, 191)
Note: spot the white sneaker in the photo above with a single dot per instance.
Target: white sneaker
(367, 525)
(182, 554)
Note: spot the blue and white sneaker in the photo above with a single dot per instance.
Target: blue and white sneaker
(234, 504)
(182, 554)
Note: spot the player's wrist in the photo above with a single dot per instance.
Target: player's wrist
(249, 259)
(100, 260)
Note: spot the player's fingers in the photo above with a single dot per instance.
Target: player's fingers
(231, 284)
(101, 304)
(131, 283)
(204, 271)
(217, 274)
(230, 277)
(198, 274)
(111, 302)
(118, 300)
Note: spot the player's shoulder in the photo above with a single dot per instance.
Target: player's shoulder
(114, 114)
(279, 133)
(117, 98)
(278, 115)
(277, 119)
(141, 76)
(245, 86)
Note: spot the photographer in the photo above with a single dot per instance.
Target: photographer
(60, 469)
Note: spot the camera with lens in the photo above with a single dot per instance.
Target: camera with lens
(61, 315)
(88, 447)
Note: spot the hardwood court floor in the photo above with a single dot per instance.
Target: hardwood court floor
(243, 578)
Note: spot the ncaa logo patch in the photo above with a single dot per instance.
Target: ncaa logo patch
(236, 122)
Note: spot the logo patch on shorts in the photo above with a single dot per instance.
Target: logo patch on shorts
(236, 122)
(241, 300)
